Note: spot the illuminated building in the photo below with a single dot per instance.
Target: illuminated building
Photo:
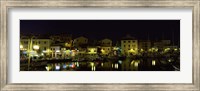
(56, 51)
(43, 44)
(80, 41)
(106, 45)
(129, 45)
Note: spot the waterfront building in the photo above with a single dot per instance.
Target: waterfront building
(144, 45)
(106, 46)
(80, 41)
(129, 45)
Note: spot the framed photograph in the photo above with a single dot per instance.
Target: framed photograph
(99, 45)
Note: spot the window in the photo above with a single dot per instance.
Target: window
(38, 42)
(133, 41)
(45, 42)
(129, 41)
(33, 42)
(45, 48)
(128, 45)
(124, 41)
(124, 45)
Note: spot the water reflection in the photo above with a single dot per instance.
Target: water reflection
(119, 65)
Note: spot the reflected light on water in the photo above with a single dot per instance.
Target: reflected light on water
(136, 64)
(57, 67)
(116, 66)
(47, 68)
(153, 62)
(101, 64)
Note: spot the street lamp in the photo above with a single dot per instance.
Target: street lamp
(36, 47)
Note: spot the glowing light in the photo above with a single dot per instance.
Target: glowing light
(92, 64)
(47, 68)
(57, 50)
(57, 67)
(77, 64)
(44, 51)
(150, 50)
(131, 50)
(120, 61)
(73, 66)
(141, 50)
(169, 60)
(101, 64)
(136, 64)
(167, 49)
(36, 47)
(116, 66)
(175, 49)
(91, 50)
(102, 50)
(64, 66)
(153, 62)
(132, 62)
(94, 68)
(21, 46)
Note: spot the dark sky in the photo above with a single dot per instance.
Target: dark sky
(98, 29)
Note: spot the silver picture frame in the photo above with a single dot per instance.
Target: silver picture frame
(5, 5)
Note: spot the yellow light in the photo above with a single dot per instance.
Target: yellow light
(153, 62)
(92, 64)
(101, 64)
(36, 47)
(175, 49)
(150, 50)
(167, 49)
(57, 50)
(91, 50)
(136, 64)
(102, 50)
(131, 50)
(21, 46)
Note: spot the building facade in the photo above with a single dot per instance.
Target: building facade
(129, 46)
(80, 41)
(106, 46)
(144, 45)
(43, 44)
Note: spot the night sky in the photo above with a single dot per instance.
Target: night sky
(99, 29)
